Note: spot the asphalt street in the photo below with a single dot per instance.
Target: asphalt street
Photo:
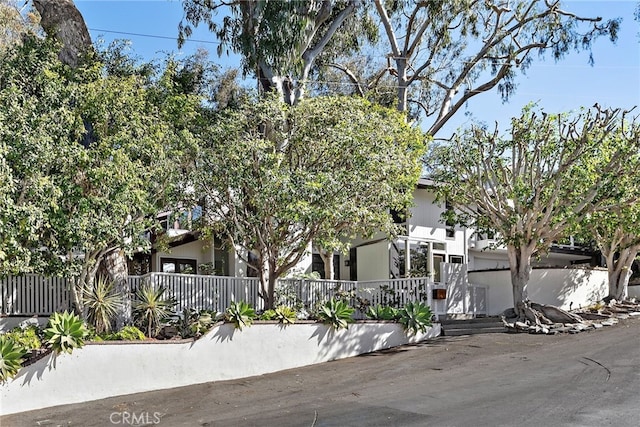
(500, 379)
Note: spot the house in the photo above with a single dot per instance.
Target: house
(428, 240)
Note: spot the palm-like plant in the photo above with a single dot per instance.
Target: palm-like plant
(102, 304)
(151, 307)
(415, 316)
(336, 313)
(11, 357)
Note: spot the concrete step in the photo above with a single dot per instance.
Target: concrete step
(486, 325)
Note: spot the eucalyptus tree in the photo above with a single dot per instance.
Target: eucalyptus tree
(279, 42)
(535, 184)
(16, 20)
(275, 177)
(451, 51)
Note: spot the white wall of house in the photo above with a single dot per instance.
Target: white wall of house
(373, 261)
(425, 223)
(567, 288)
(199, 250)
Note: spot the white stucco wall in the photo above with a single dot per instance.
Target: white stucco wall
(566, 288)
(198, 250)
(373, 261)
(97, 371)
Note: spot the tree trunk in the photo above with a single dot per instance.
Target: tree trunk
(620, 273)
(403, 90)
(267, 282)
(327, 259)
(520, 267)
(63, 21)
(114, 267)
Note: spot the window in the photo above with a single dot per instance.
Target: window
(317, 265)
(252, 260)
(437, 260)
(179, 266)
(456, 259)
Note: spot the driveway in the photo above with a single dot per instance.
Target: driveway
(587, 379)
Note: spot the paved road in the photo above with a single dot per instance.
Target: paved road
(588, 379)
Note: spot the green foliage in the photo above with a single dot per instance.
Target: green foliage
(415, 316)
(336, 313)
(240, 314)
(534, 185)
(269, 314)
(192, 323)
(151, 307)
(87, 158)
(11, 357)
(102, 305)
(128, 333)
(383, 312)
(29, 337)
(325, 170)
(283, 314)
(65, 332)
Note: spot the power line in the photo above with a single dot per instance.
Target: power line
(153, 36)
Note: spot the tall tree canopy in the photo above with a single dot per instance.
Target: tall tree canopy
(67, 206)
(274, 177)
(616, 230)
(437, 55)
(537, 183)
(451, 51)
(279, 41)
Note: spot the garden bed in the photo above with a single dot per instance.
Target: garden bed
(102, 369)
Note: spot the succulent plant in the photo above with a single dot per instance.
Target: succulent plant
(11, 357)
(65, 332)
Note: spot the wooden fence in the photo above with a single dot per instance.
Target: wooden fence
(30, 294)
(35, 295)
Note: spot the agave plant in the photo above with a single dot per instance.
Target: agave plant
(102, 305)
(336, 313)
(240, 314)
(11, 357)
(151, 307)
(66, 331)
(382, 312)
(415, 316)
(285, 315)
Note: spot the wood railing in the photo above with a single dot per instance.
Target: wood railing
(36, 295)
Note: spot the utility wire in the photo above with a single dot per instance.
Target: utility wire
(152, 36)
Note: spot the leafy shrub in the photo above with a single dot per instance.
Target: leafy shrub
(102, 304)
(383, 312)
(336, 313)
(128, 333)
(240, 314)
(283, 314)
(193, 323)
(11, 357)
(268, 315)
(28, 337)
(415, 316)
(65, 332)
(150, 308)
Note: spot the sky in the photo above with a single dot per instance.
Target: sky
(613, 80)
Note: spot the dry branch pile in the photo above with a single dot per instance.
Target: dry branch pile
(547, 319)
